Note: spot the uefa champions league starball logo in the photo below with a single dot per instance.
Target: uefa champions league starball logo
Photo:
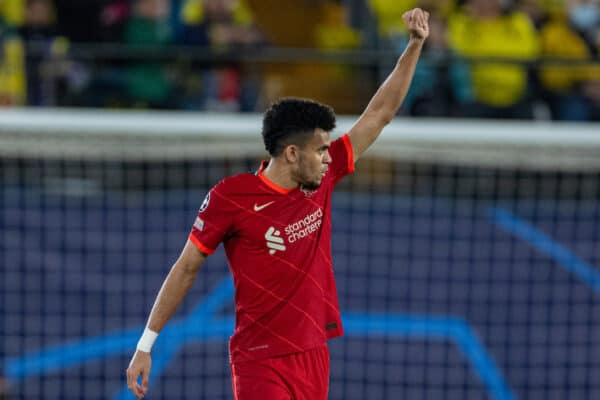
(205, 203)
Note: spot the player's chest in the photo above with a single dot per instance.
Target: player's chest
(282, 222)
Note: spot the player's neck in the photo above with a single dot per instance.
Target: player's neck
(279, 174)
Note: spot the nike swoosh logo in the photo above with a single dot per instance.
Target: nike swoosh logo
(258, 208)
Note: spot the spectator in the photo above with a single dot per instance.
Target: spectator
(39, 23)
(333, 32)
(148, 83)
(221, 25)
(573, 90)
(39, 29)
(584, 16)
(484, 29)
(303, 24)
(12, 12)
(12, 67)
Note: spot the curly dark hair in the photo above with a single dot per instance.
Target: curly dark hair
(293, 121)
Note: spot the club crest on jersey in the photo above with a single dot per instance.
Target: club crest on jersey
(307, 192)
(205, 202)
(275, 243)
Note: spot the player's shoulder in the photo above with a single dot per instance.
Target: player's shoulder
(236, 184)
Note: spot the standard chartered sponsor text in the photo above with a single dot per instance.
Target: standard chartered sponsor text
(305, 226)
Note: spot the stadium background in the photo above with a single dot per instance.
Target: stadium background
(466, 247)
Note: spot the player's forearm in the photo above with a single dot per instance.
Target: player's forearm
(389, 97)
(174, 288)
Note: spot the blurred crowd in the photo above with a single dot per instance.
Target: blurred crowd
(508, 59)
(72, 52)
(484, 58)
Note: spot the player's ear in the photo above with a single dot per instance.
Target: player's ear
(291, 153)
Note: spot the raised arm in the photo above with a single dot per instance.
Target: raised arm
(389, 97)
(173, 290)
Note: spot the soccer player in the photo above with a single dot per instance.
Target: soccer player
(275, 225)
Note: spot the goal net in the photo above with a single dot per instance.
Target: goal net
(465, 252)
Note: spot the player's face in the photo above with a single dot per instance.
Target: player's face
(313, 160)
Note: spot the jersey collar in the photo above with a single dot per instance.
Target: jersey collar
(266, 181)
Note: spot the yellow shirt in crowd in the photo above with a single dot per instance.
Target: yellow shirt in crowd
(13, 11)
(509, 36)
(12, 72)
(389, 12)
(559, 41)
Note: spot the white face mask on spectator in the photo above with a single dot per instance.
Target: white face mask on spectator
(585, 16)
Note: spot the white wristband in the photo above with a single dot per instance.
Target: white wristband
(147, 340)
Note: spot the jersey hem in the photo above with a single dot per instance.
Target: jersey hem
(244, 359)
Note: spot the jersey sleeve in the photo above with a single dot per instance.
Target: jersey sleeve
(342, 158)
(214, 221)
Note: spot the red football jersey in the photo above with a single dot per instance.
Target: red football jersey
(278, 244)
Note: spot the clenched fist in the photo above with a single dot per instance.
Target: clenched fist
(417, 23)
